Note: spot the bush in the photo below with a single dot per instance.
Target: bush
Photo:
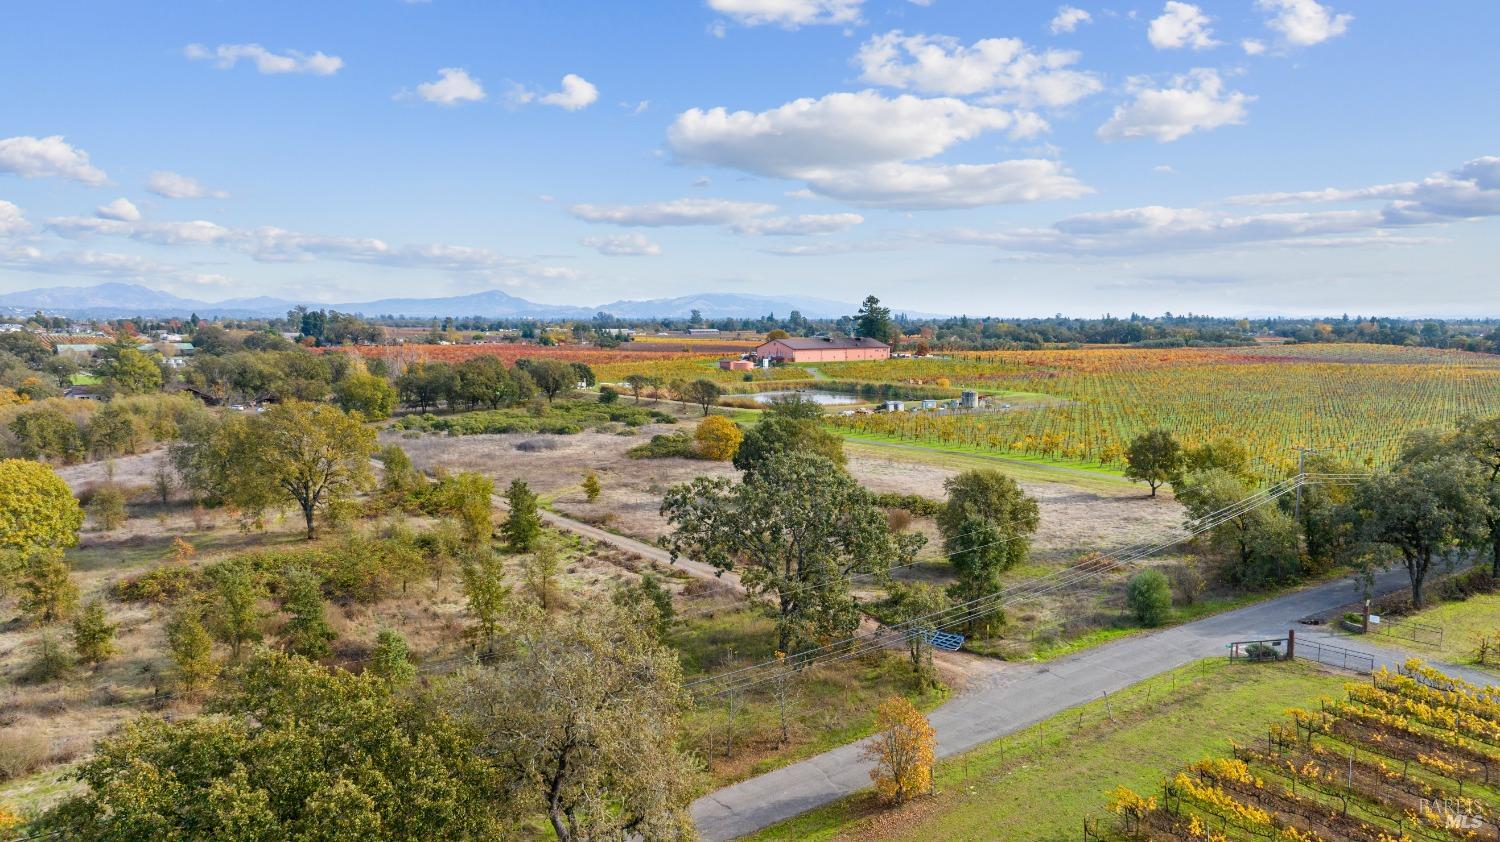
(1149, 597)
(915, 504)
(665, 446)
(107, 507)
(22, 751)
(718, 438)
(608, 395)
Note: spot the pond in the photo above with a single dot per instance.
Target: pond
(817, 397)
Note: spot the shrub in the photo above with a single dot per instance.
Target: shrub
(107, 507)
(1149, 597)
(665, 446)
(48, 662)
(915, 504)
(718, 438)
(22, 751)
(608, 395)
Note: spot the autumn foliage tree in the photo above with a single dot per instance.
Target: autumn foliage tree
(718, 438)
(37, 509)
(903, 751)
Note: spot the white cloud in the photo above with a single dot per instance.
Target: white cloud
(226, 56)
(788, 14)
(1193, 102)
(859, 147)
(1468, 192)
(121, 209)
(453, 86)
(12, 220)
(623, 245)
(798, 226)
(1164, 169)
(1303, 23)
(675, 212)
(576, 93)
(177, 186)
(1068, 18)
(936, 186)
(1181, 25)
(39, 157)
(1253, 46)
(98, 264)
(1472, 191)
(269, 244)
(940, 64)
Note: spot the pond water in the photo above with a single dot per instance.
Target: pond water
(823, 398)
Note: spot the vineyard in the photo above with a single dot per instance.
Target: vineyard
(1353, 398)
(1413, 755)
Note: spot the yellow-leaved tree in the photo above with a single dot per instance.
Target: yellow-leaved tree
(37, 509)
(718, 438)
(902, 751)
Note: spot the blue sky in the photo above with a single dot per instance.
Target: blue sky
(1237, 157)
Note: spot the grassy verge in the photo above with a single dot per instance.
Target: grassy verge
(1462, 621)
(826, 708)
(1040, 783)
(1026, 469)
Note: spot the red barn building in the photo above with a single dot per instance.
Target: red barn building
(823, 349)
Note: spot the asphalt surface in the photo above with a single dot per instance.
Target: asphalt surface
(1024, 695)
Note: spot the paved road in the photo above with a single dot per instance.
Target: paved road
(1024, 695)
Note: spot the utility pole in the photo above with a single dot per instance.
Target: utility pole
(1302, 452)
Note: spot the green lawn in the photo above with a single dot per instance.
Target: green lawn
(1028, 469)
(1040, 783)
(1462, 621)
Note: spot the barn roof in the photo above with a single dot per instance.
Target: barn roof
(803, 343)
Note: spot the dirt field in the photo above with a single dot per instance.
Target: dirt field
(1074, 520)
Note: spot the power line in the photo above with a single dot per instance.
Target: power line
(748, 677)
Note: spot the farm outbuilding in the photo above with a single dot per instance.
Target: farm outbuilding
(736, 365)
(822, 349)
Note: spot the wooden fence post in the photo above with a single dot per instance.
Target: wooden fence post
(1291, 644)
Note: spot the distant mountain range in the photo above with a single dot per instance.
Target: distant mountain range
(115, 300)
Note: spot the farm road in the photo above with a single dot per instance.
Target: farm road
(1026, 694)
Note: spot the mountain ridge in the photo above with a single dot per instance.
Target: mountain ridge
(124, 300)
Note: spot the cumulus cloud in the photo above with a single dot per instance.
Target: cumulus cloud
(1192, 102)
(1304, 23)
(576, 93)
(1181, 25)
(226, 56)
(859, 147)
(788, 14)
(672, 213)
(173, 185)
(798, 226)
(453, 86)
(1007, 67)
(39, 157)
(12, 220)
(1253, 46)
(1471, 191)
(623, 245)
(1068, 18)
(121, 209)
